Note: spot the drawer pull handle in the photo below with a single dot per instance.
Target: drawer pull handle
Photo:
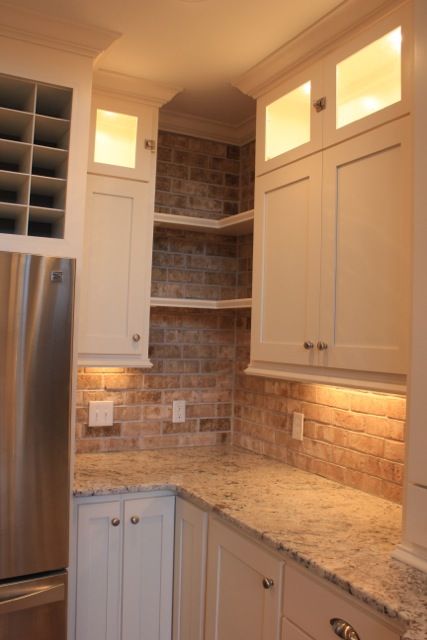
(134, 519)
(115, 522)
(136, 337)
(343, 630)
(322, 346)
(268, 583)
(308, 344)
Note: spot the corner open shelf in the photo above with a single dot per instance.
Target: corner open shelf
(236, 303)
(236, 225)
(34, 141)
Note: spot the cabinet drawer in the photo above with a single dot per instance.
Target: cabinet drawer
(290, 632)
(312, 605)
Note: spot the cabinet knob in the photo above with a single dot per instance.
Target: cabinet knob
(115, 522)
(343, 629)
(322, 346)
(308, 344)
(136, 337)
(320, 104)
(134, 519)
(267, 583)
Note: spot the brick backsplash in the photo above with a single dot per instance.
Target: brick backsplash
(353, 437)
(193, 355)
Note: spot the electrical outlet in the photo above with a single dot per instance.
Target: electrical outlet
(101, 413)
(297, 425)
(178, 411)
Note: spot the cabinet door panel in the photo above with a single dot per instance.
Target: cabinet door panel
(190, 571)
(98, 572)
(287, 259)
(148, 569)
(117, 255)
(237, 604)
(290, 632)
(365, 267)
(288, 125)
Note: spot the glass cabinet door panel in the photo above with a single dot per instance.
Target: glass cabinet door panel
(287, 124)
(370, 79)
(115, 138)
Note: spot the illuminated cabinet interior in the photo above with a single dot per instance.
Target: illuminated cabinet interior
(115, 138)
(287, 121)
(370, 79)
(356, 87)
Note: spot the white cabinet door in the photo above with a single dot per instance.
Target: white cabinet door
(366, 252)
(191, 530)
(98, 581)
(287, 242)
(115, 284)
(241, 603)
(148, 568)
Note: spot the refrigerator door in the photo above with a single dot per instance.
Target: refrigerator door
(36, 300)
(34, 609)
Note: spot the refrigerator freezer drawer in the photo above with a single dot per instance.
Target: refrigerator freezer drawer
(34, 609)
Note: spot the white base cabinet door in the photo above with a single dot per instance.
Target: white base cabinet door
(98, 571)
(124, 568)
(148, 569)
(191, 531)
(243, 588)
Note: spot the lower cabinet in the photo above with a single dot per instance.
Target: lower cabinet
(124, 568)
(243, 591)
(191, 533)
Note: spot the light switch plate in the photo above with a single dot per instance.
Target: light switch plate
(101, 413)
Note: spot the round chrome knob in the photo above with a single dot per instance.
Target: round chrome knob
(308, 344)
(136, 337)
(267, 583)
(343, 629)
(115, 522)
(322, 346)
(134, 519)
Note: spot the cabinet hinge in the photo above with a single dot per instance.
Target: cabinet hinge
(150, 144)
(320, 104)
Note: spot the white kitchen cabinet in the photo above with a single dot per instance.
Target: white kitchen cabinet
(331, 256)
(191, 530)
(318, 611)
(243, 592)
(362, 83)
(98, 579)
(115, 288)
(124, 568)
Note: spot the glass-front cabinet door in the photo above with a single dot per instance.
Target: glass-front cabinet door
(123, 138)
(289, 121)
(367, 79)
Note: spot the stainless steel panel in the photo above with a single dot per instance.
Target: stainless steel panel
(35, 353)
(34, 609)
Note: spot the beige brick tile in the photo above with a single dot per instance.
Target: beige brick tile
(365, 402)
(88, 381)
(123, 381)
(394, 451)
(396, 408)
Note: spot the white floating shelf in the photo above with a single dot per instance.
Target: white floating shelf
(235, 225)
(187, 303)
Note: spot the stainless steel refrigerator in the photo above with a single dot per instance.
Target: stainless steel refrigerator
(36, 321)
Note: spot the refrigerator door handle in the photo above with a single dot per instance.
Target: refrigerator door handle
(19, 600)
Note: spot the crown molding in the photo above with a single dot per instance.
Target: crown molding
(190, 125)
(316, 40)
(31, 26)
(133, 88)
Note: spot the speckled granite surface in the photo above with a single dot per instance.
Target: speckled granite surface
(339, 533)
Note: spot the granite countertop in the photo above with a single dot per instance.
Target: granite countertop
(339, 533)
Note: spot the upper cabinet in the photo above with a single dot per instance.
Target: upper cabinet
(363, 83)
(116, 282)
(123, 138)
(45, 91)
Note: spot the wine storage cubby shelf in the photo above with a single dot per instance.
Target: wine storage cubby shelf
(34, 141)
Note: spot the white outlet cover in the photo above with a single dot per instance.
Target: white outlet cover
(297, 426)
(101, 413)
(178, 411)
